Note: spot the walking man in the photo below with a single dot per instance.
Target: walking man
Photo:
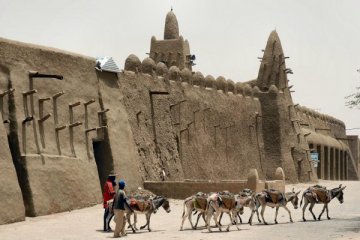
(119, 210)
(108, 195)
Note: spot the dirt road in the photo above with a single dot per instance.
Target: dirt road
(87, 223)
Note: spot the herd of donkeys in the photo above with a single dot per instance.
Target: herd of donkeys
(214, 205)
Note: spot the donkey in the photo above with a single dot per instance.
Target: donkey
(247, 199)
(274, 198)
(197, 203)
(218, 204)
(320, 195)
(150, 207)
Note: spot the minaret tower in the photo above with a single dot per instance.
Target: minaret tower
(173, 50)
(273, 69)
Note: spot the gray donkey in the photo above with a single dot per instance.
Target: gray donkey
(148, 207)
(274, 198)
(320, 195)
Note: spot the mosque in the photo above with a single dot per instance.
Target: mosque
(69, 120)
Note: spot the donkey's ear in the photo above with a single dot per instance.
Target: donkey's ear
(298, 192)
(340, 185)
(293, 190)
(342, 188)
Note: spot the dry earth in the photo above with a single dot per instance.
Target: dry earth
(87, 223)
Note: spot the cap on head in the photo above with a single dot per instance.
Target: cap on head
(111, 177)
(121, 184)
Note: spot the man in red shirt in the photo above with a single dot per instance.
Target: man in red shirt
(109, 193)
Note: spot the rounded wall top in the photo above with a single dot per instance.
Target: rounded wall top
(161, 69)
(247, 90)
(273, 89)
(210, 81)
(132, 63)
(198, 79)
(279, 174)
(231, 85)
(174, 73)
(256, 90)
(148, 66)
(171, 30)
(221, 83)
(239, 87)
(185, 75)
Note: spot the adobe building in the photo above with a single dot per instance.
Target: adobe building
(68, 122)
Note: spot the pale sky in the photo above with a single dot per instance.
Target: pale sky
(322, 38)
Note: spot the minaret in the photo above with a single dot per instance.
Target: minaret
(173, 50)
(171, 30)
(272, 69)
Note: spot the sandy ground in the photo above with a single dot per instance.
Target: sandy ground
(87, 223)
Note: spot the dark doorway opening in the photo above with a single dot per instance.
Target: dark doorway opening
(103, 160)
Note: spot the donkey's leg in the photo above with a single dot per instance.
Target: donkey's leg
(322, 211)
(135, 221)
(236, 222)
(311, 208)
(231, 215)
(262, 213)
(306, 202)
(203, 216)
(183, 219)
(197, 220)
(288, 212)
(238, 215)
(147, 216)
(251, 216)
(220, 218)
(257, 213)
(148, 221)
(190, 217)
(276, 213)
(327, 211)
(216, 216)
(233, 218)
(209, 212)
(128, 215)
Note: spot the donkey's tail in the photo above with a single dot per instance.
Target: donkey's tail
(184, 209)
(302, 197)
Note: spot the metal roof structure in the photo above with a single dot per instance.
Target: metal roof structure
(106, 64)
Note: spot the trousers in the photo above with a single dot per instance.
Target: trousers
(120, 222)
(108, 215)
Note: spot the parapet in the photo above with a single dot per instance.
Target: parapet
(132, 63)
(256, 91)
(239, 87)
(221, 83)
(273, 89)
(324, 117)
(231, 86)
(148, 66)
(210, 82)
(185, 75)
(161, 69)
(247, 90)
(174, 73)
(198, 79)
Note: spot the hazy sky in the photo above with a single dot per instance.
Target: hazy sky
(322, 38)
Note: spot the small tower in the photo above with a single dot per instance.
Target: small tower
(173, 50)
(272, 69)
